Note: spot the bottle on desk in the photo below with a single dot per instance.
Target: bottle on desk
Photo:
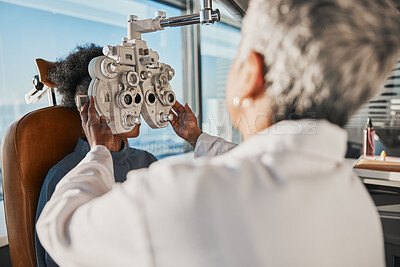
(369, 139)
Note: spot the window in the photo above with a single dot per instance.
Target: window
(219, 44)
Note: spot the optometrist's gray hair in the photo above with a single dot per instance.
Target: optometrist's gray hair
(323, 58)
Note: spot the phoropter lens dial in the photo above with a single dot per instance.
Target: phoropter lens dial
(163, 80)
(109, 68)
(171, 98)
(125, 99)
(132, 78)
(129, 98)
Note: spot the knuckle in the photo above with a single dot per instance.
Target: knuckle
(92, 123)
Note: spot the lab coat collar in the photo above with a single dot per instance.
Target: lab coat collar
(315, 138)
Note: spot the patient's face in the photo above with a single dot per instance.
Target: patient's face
(133, 133)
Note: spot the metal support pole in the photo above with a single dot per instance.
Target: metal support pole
(52, 97)
(190, 19)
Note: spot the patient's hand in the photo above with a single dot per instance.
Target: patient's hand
(96, 130)
(185, 123)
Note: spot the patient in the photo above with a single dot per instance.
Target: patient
(71, 76)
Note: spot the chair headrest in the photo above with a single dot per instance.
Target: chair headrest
(44, 68)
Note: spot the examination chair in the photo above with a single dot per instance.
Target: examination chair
(31, 146)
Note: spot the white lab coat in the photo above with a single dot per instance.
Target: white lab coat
(284, 197)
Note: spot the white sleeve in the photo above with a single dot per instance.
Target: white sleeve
(171, 214)
(78, 226)
(208, 145)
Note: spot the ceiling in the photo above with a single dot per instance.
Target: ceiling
(237, 8)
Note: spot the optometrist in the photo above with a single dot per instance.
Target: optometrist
(284, 196)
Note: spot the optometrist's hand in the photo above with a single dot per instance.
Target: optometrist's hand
(184, 123)
(96, 129)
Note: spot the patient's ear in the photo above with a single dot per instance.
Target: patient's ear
(254, 71)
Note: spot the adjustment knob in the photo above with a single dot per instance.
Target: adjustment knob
(165, 117)
(109, 50)
(145, 75)
(130, 120)
(160, 14)
(163, 80)
(170, 73)
(133, 18)
(36, 82)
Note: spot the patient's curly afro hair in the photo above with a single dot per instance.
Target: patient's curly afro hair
(71, 75)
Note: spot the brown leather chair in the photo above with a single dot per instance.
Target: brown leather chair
(31, 146)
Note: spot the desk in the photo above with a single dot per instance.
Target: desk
(386, 195)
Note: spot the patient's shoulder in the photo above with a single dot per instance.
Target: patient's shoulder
(67, 163)
(135, 153)
(58, 171)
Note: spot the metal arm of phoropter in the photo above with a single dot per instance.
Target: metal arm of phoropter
(206, 16)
